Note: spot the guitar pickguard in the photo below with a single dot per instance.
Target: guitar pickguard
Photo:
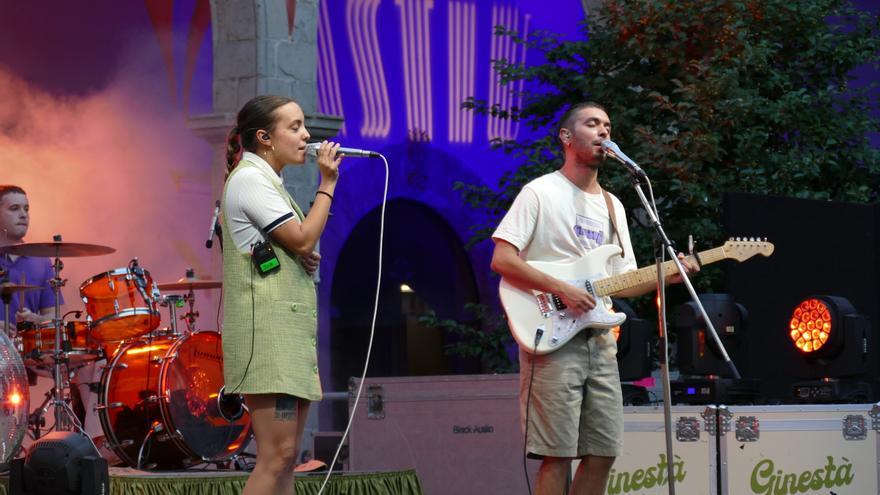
(562, 325)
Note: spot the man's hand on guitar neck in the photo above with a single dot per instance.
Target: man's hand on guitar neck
(690, 267)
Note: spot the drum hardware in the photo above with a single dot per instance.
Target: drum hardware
(125, 443)
(101, 407)
(230, 406)
(155, 428)
(173, 302)
(57, 249)
(190, 284)
(37, 420)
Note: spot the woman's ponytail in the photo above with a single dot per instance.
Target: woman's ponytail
(233, 150)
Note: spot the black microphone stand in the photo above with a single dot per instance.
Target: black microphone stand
(663, 241)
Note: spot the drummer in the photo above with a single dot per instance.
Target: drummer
(39, 305)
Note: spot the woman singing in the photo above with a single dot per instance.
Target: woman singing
(269, 301)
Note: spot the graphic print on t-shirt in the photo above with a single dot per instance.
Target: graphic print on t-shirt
(590, 233)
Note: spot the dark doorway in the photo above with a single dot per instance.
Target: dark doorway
(425, 268)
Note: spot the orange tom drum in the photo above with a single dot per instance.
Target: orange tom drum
(120, 304)
(159, 399)
(37, 344)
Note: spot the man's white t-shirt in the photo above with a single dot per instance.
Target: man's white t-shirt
(253, 206)
(553, 220)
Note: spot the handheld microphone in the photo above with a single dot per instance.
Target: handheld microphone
(312, 150)
(614, 151)
(210, 241)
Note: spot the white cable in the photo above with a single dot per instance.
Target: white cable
(357, 396)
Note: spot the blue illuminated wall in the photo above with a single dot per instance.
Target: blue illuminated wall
(398, 71)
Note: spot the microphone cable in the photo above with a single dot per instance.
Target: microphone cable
(525, 454)
(372, 332)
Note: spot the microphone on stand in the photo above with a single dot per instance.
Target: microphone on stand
(614, 152)
(312, 150)
(210, 241)
(140, 280)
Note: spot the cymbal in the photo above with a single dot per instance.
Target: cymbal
(9, 289)
(191, 284)
(57, 249)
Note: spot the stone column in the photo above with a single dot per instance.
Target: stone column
(257, 51)
(591, 5)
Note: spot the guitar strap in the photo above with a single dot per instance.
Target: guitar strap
(611, 215)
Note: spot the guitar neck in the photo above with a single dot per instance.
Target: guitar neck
(617, 283)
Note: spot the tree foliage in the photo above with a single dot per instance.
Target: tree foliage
(709, 96)
(486, 339)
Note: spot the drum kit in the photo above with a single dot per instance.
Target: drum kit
(160, 398)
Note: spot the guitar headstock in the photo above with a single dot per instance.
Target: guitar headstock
(743, 248)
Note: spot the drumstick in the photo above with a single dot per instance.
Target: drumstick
(21, 293)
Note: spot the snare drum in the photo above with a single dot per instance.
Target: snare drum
(119, 305)
(38, 344)
(159, 398)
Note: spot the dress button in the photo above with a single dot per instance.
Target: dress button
(314, 313)
(315, 369)
(314, 342)
(293, 307)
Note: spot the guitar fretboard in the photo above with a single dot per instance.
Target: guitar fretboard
(617, 283)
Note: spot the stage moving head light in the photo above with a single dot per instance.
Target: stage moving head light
(831, 336)
(633, 343)
(697, 354)
(60, 463)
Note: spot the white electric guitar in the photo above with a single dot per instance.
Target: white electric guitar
(541, 317)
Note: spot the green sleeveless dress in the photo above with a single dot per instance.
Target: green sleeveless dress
(275, 314)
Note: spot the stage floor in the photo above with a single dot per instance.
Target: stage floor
(128, 481)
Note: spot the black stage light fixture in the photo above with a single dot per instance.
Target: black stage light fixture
(633, 343)
(60, 463)
(697, 353)
(830, 335)
(833, 341)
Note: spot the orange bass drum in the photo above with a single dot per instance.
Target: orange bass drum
(160, 407)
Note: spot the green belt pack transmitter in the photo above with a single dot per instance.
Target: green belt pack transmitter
(264, 258)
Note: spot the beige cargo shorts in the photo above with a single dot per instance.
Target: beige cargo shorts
(576, 407)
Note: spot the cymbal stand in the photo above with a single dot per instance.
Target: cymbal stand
(190, 316)
(173, 302)
(59, 356)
